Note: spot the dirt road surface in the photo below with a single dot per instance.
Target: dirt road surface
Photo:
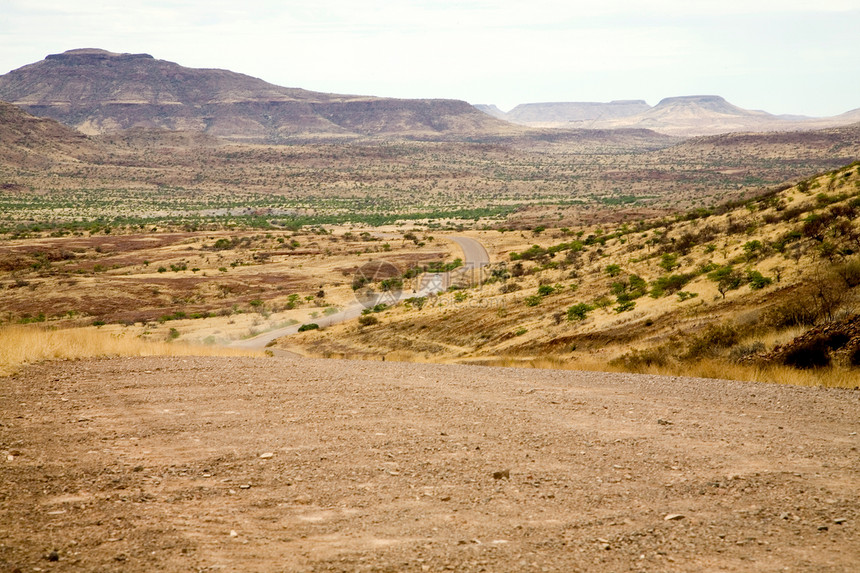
(279, 464)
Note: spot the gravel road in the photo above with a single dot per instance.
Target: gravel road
(294, 464)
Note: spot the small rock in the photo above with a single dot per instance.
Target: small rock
(823, 528)
(506, 474)
(445, 498)
(663, 422)
(233, 533)
(267, 455)
(52, 556)
(840, 520)
(245, 486)
(673, 517)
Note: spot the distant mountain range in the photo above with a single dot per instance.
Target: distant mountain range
(681, 116)
(96, 91)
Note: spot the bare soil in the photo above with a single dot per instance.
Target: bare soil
(294, 464)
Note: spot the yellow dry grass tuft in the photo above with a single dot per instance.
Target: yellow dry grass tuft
(832, 377)
(20, 345)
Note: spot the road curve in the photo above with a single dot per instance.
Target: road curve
(474, 253)
(475, 256)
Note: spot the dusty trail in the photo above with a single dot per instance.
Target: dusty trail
(154, 464)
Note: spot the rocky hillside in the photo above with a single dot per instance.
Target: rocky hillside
(725, 286)
(96, 91)
(27, 141)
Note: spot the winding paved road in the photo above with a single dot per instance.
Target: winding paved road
(475, 257)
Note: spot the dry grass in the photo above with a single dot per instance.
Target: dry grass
(20, 345)
(832, 377)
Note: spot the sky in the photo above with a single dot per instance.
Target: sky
(783, 56)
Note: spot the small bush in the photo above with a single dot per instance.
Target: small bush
(669, 284)
(642, 359)
(366, 320)
(579, 311)
(669, 262)
(757, 280)
(312, 326)
(684, 295)
(742, 352)
(850, 273)
(796, 312)
(727, 278)
(714, 339)
(533, 300)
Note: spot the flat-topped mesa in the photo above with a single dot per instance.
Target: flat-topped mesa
(709, 102)
(99, 91)
(82, 55)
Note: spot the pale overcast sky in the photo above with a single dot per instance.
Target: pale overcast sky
(784, 56)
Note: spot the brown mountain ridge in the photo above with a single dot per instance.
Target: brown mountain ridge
(96, 91)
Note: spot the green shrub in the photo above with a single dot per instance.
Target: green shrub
(669, 262)
(613, 270)
(533, 300)
(727, 278)
(670, 284)
(752, 249)
(579, 311)
(757, 280)
(684, 295)
(311, 326)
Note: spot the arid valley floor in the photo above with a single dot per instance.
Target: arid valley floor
(267, 329)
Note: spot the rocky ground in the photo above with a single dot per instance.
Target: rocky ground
(291, 464)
